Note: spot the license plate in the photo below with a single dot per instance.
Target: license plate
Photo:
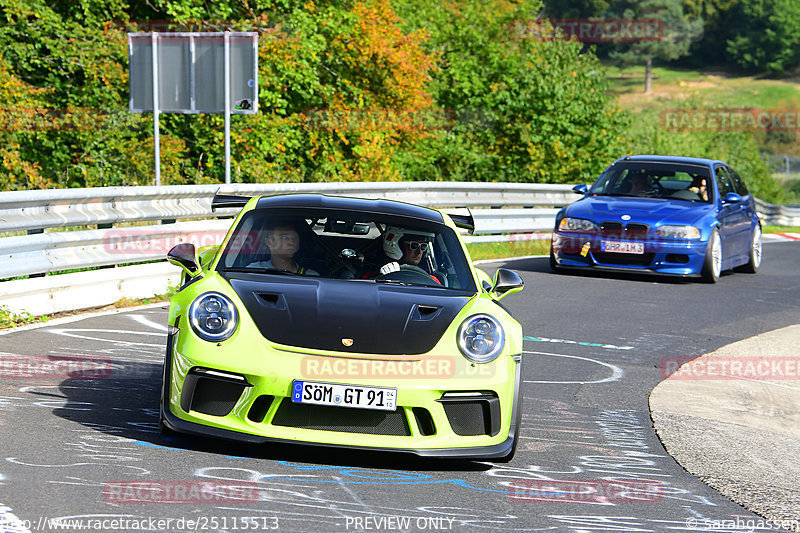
(622, 247)
(338, 395)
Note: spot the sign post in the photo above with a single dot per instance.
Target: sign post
(191, 72)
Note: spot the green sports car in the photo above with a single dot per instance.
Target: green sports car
(343, 322)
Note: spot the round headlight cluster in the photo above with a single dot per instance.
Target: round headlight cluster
(481, 338)
(213, 317)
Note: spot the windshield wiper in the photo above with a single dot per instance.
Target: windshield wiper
(262, 270)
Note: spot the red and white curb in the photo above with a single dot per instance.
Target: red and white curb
(780, 237)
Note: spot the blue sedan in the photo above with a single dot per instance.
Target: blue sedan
(677, 216)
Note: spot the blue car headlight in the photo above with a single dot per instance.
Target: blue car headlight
(481, 338)
(678, 232)
(213, 317)
(576, 224)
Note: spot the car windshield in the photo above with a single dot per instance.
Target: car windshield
(654, 179)
(347, 245)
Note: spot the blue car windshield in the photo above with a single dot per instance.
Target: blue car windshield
(348, 245)
(655, 179)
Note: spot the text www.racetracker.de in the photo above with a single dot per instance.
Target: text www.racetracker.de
(201, 523)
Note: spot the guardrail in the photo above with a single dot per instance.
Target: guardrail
(134, 225)
(131, 226)
(779, 215)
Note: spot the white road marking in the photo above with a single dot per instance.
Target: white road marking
(143, 320)
(616, 372)
(73, 333)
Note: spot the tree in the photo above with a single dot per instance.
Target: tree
(764, 35)
(516, 106)
(676, 35)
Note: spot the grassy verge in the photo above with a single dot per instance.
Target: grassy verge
(780, 229)
(715, 88)
(499, 250)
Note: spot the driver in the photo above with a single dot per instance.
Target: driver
(639, 184)
(406, 248)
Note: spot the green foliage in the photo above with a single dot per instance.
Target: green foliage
(348, 90)
(768, 41)
(517, 107)
(10, 319)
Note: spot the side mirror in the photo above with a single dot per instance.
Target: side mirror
(184, 255)
(580, 189)
(484, 280)
(506, 282)
(732, 198)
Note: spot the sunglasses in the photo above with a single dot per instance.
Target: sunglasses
(413, 245)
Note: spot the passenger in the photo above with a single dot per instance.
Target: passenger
(699, 188)
(283, 242)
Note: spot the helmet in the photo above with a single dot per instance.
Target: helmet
(391, 242)
(393, 235)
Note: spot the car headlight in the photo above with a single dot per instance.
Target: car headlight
(481, 338)
(576, 224)
(213, 317)
(678, 232)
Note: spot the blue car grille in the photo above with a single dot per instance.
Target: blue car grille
(632, 230)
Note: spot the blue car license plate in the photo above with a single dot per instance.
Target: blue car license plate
(622, 247)
(338, 395)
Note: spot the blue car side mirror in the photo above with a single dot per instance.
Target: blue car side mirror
(732, 198)
(580, 189)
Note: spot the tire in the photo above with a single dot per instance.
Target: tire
(510, 455)
(165, 385)
(754, 257)
(553, 264)
(712, 266)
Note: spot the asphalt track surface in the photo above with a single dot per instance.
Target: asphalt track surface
(589, 459)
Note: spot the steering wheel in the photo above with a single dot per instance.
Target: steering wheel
(410, 274)
(658, 188)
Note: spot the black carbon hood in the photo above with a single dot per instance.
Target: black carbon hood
(319, 313)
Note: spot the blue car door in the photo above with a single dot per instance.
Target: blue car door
(734, 227)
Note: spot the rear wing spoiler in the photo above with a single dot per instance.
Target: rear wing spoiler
(464, 221)
(228, 200)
